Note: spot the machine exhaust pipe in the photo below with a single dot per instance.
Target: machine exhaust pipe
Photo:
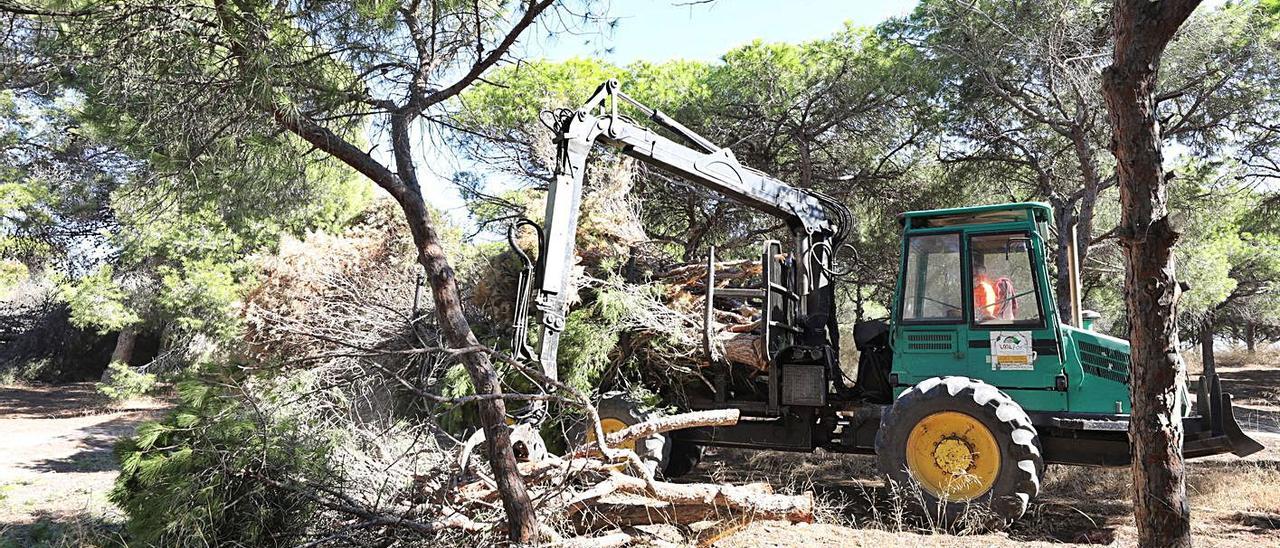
(1073, 277)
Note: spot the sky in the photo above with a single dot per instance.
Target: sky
(662, 30)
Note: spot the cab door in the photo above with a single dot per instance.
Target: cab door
(929, 334)
(1011, 331)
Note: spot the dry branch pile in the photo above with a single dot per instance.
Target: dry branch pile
(612, 492)
(338, 312)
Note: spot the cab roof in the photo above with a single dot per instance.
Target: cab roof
(1031, 212)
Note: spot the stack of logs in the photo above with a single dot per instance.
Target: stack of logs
(735, 322)
(614, 493)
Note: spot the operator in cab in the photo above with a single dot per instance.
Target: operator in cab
(993, 298)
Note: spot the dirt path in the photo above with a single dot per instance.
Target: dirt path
(56, 464)
(1255, 388)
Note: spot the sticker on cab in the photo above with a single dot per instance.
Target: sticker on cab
(1012, 351)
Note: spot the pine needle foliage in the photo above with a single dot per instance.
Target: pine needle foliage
(210, 473)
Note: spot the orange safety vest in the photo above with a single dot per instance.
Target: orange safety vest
(984, 297)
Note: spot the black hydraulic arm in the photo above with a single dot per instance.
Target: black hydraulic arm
(809, 217)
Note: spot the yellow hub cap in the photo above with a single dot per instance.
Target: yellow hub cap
(611, 425)
(953, 456)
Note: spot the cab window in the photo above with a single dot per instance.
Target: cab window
(933, 288)
(1004, 288)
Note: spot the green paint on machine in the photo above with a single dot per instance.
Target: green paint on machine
(1105, 363)
(974, 298)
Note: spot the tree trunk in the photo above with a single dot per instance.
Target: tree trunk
(522, 520)
(1064, 218)
(1250, 336)
(1086, 156)
(1158, 376)
(123, 351)
(1206, 347)
(523, 523)
(247, 33)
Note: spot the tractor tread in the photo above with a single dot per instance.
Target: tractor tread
(1023, 446)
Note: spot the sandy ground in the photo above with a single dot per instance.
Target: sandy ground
(56, 465)
(1235, 503)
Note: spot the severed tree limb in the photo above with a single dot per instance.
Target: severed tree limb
(744, 349)
(603, 541)
(687, 503)
(718, 417)
(699, 270)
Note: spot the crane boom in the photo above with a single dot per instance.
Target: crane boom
(809, 216)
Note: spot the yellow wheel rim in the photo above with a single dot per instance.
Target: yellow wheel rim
(610, 425)
(953, 456)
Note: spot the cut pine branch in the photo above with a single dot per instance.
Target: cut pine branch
(663, 502)
(719, 417)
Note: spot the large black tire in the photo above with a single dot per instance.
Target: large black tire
(1020, 463)
(684, 457)
(654, 451)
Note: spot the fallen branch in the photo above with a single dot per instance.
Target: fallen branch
(664, 502)
(719, 417)
(603, 541)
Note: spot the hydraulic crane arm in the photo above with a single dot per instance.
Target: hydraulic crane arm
(813, 219)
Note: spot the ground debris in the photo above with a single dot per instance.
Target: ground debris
(610, 499)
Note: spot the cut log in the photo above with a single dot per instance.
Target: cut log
(602, 541)
(664, 502)
(533, 473)
(749, 497)
(743, 327)
(725, 270)
(719, 417)
(744, 349)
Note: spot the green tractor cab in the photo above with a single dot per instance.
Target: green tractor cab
(974, 299)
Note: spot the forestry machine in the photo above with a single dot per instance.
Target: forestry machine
(971, 386)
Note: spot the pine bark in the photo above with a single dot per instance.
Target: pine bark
(125, 342)
(123, 351)
(1250, 337)
(1142, 30)
(521, 517)
(1207, 362)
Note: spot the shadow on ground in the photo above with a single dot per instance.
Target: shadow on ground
(96, 443)
(38, 402)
